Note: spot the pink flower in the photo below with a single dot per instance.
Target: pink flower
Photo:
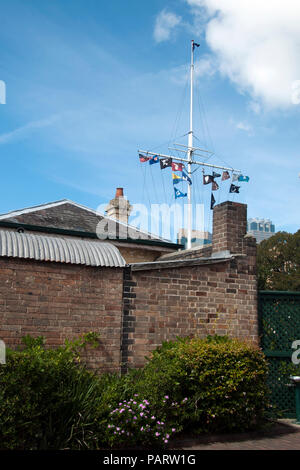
(166, 396)
(157, 434)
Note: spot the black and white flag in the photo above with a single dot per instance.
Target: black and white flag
(208, 179)
(234, 188)
(165, 162)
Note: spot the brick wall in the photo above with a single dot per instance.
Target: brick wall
(199, 300)
(136, 310)
(62, 301)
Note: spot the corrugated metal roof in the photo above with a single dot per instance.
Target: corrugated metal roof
(61, 250)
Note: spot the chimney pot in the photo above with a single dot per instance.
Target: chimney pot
(119, 192)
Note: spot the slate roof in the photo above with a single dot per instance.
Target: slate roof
(66, 215)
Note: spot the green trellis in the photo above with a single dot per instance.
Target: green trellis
(279, 315)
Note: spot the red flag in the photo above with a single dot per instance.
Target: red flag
(143, 159)
(177, 166)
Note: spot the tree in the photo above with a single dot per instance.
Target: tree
(278, 262)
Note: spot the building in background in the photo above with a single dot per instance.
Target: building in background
(261, 229)
(199, 238)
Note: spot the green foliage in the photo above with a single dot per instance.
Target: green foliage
(278, 262)
(47, 399)
(223, 379)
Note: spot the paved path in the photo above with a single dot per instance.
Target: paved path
(282, 436)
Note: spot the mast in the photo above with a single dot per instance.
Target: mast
(190, 152)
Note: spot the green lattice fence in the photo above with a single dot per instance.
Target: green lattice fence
(279, 314)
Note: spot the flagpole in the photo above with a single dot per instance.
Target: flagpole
(190, 154)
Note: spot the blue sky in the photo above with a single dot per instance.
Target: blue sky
(89, 82)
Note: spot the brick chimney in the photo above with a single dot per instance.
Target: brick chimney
(119, 207)
(229, 227)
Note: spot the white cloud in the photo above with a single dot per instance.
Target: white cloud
(164, 25)
(256, 44)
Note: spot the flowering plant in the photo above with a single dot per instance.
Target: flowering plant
(134, 421)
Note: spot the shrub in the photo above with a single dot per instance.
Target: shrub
(224, 380)
(48, 400)
(133, 422)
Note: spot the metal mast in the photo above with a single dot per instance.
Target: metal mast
(190, 152)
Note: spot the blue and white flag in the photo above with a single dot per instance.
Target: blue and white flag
(185, 177)
(235, 177)
(179, 193)
(153, 160)
(244, 178)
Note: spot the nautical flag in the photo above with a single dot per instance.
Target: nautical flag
(179, 193)
(234, 189)
(165, 162)
(214, 186)
(225, 176)
(212, 202)
(153, 160)
(207, 179)
(235, 177)
(177, 166)
(176, 178)
(244, 178)
(143, 158)
(185, 177)
(216, 175)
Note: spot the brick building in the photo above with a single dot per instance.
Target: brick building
(58, 282)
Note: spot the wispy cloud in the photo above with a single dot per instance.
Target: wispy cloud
(23, 131)
(165, 23)
(244, 126)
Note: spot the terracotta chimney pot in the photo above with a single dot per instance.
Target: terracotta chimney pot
(119, 192)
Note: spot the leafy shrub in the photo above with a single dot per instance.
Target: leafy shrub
(47, 399)
(224, 380)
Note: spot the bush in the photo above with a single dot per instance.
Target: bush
(224, 380)
(48, 400)
(134, 422)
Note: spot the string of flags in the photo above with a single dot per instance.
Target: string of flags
(166, 162)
